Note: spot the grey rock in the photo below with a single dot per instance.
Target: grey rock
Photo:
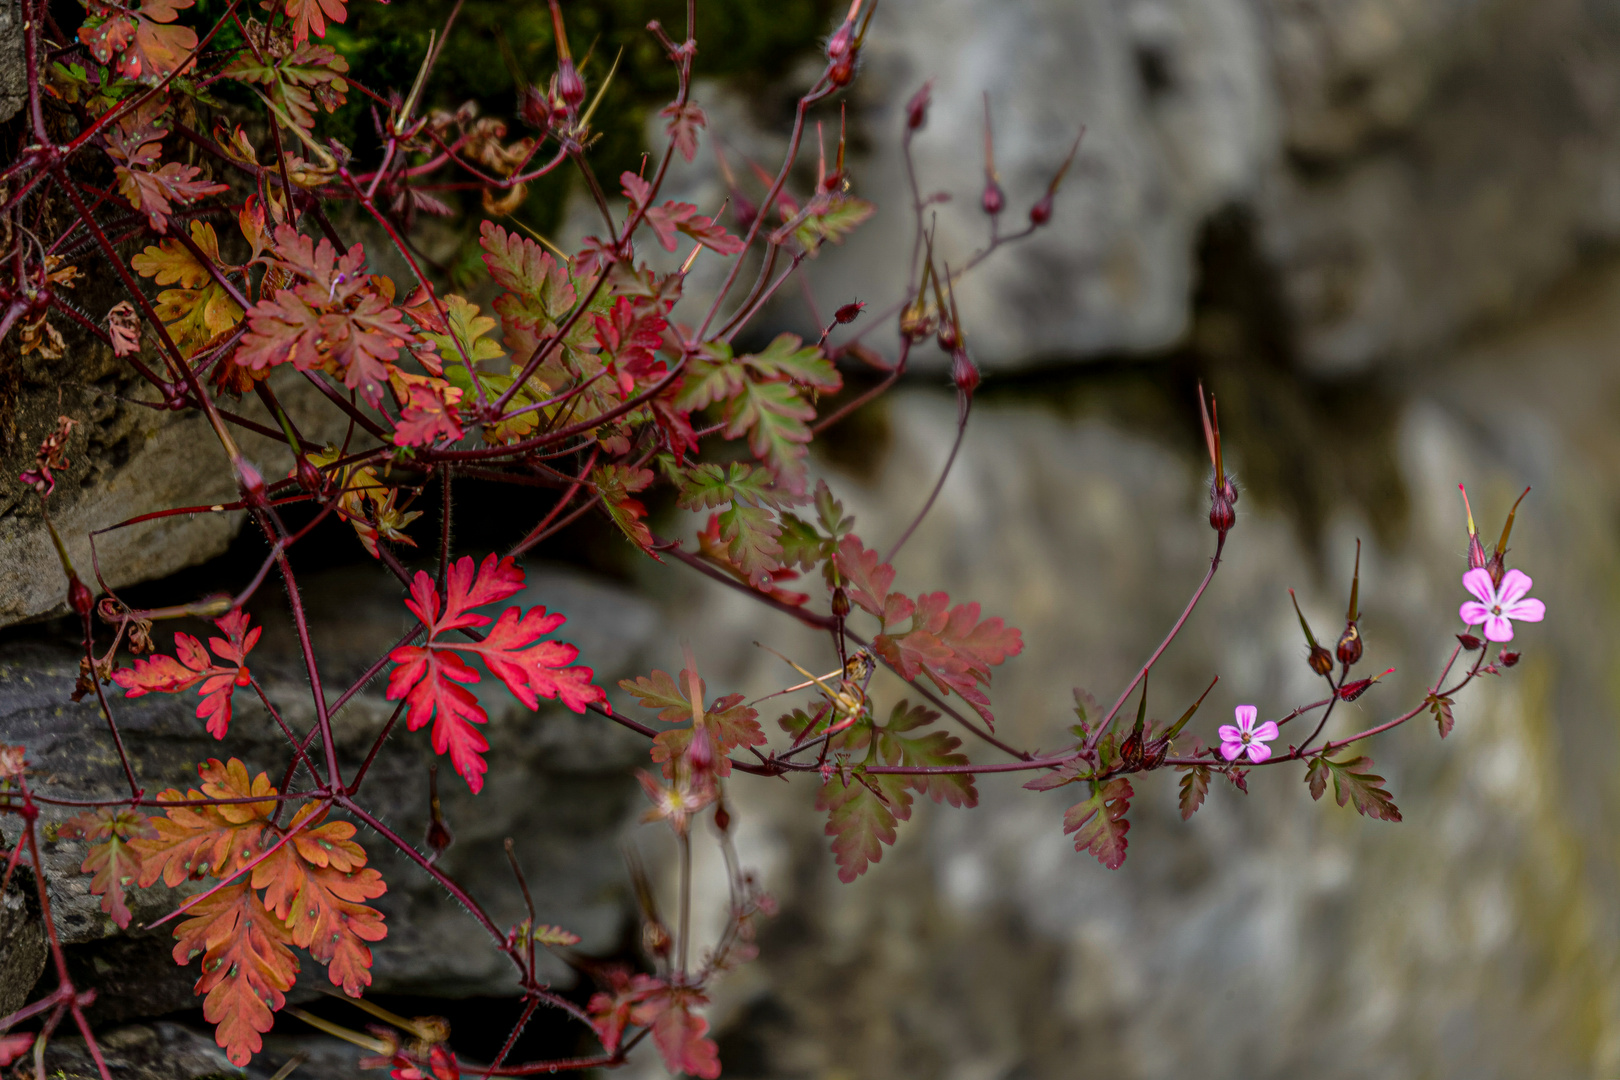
(1270, 936)
(1417, 168)
(13, 68)
(22, 942)
(162, 1051)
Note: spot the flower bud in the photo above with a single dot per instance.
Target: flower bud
(1041, 212)
(570, 87)
(722, 816)
(1222, 509)
(849, 313)
(1469, 642)
(992, 200)
(917, 107)
(840, 603)
(948, 336)
(700, 753)
(1495, 567)
(1350, 646)
(916, 322)
(842, 72)
(250, 482)
(1476, 552)
(79, 597)
(841, 43)
(1507, 659)
(535, 109)
(964, 372)
(1321, 660)
(309, 476)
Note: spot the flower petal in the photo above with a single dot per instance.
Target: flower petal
(1266, 731)
(1472, 613)
(1515, 583)
(1497, 628)
(1478, 582)
(1230, 750)
(1526, 611)
(1246, 715)
(1228, 733)
(1258, 752)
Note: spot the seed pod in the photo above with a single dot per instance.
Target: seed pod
(1041, 212)
(535, 109)
(1350, 646)
(964, 372)
(840, 603)
(1469, 642)
(722, 816)
(1352, 690)
(993, 200)
(1507, 659)
(849, 313)
(79, 597)
(1321, 660)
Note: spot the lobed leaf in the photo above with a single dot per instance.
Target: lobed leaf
(1099, 822)
(1194, 789)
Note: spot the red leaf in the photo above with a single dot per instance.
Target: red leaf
(13, 1047)
(167, 675)
(679, 1033)
(429, 412)
(153, 191)
(309, 17)
(247, 967)
(954, 648)
(615, 483)
(629, 335)
(684, 122)
(315, 884)
(863, 814)
(867, 576)
(124, 329)
(1099, 823)
(113, 862)
(425, 675)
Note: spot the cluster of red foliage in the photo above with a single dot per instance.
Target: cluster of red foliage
(590, 381)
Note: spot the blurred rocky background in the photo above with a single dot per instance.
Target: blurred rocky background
(1383, 232)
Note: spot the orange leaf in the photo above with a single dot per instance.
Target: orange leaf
(247, 966)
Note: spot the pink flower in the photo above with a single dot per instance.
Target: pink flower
(1235, 741)
(1498, 604)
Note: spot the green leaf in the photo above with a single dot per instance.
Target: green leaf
(750, 533)
(468, 336)
(1440, 709)
(787, 357)
(1099, 822)
(1352, 783)
(311, 75)
(833, 220)
(931, 748)
(773, 416)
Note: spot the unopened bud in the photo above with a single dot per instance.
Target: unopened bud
(535, 109)
(964, 372)
(1041, 212)
(1469, 642)
(309, 476)
(1495, 567)
(1130, 752)
(250, 482)
(1476, 552)
(1507, 659)
(79, 597)
(840, 44)
(916, 322)
(917, 107)
(849, 312)
(1350, 646)
(840, 603)
(948, 336)
(842, 72)
(993, 200)
(700, 754)
(722, 816)
(570, 87)
(1321, 660)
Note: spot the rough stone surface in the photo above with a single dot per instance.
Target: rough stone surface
(22, 942)
(1270, 936)
(13, 70)
(1417, 168)
(558, 785)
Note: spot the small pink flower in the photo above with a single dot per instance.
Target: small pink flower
(1246, 738)
(1498, 604)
